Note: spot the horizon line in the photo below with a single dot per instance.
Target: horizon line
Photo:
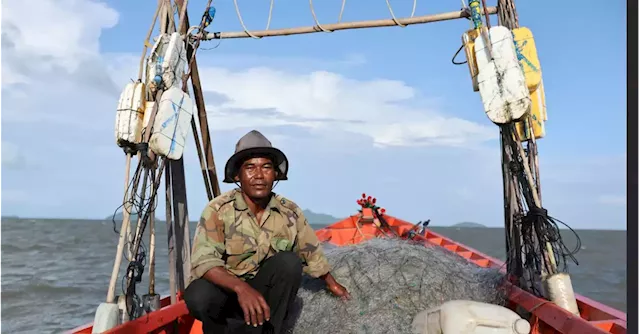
(338, 219)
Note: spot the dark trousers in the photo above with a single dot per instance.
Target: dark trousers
(277, 280)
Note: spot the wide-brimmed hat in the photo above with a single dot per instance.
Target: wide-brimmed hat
(255, 144)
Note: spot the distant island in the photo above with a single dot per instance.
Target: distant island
(313, 218)
(118, 216)
(319, 218)
(468, 224)
(316, 219)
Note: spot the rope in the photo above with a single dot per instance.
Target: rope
(534, 245)
(539, 230)
(507, 15)
(196, 44)
(453, 60)
(313, 13)
(393, 17)
(135, 268)
(235, 3)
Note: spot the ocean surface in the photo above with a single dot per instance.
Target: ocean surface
(56, 272)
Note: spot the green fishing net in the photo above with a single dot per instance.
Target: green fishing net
(390, 281)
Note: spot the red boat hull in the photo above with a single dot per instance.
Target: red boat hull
(547, 318)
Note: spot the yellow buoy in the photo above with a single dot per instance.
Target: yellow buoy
(528, 57)
(538, 116)
(468, 39)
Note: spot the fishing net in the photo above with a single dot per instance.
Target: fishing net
(390, 281)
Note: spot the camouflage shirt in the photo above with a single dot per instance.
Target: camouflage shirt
(229, 236)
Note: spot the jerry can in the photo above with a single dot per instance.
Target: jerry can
(538, 116)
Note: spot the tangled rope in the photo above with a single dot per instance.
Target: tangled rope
(538, 230)
(142, 203)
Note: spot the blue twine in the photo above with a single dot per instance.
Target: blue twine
(521, 58)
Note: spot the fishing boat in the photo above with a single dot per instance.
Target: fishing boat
(545, 317)
(154, 112)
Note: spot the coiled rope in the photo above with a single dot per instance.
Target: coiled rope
(393, 17)
(313, 13)
(235, 3)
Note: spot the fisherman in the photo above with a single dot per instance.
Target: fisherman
(251, 248)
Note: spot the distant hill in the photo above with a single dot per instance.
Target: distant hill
(312, 217)
(319, 218)
(118, 216)
(133, 216)
(468, 224)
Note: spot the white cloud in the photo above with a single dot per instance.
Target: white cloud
(67, 61)
(52, 46)
(55, 33)
(388, 111)
(60, 107)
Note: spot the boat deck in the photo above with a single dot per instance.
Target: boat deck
(547, 318)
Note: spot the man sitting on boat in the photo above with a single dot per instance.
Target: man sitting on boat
(252, 246)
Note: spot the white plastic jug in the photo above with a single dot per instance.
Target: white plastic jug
(166, 63)
(174, 62)
(154, 63)
(130, 113)
(501, 81)
(469, 317)
(172, 124)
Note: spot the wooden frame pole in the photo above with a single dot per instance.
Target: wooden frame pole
(202, 111)
(347, 25)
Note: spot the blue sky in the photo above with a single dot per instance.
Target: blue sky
(422, 143)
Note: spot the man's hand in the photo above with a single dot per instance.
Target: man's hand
(339, 291)
(336, 288)
(255, 308)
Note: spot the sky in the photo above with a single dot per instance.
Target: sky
(381, 111)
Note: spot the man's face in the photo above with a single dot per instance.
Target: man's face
(256, 177)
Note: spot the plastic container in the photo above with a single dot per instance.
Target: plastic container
(469, 317)
(468, 40)
(528, 57)
(130, 113)
(166, 63)
(501, 81)
(538, 116)
(154, 63)
(172, 124)
(147, 114)
(174, 62)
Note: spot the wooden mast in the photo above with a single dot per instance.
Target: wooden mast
(510, 183)
(513, 209)
(177, 215)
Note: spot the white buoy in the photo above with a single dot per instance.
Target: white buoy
(130, 114)
(166, 63)
(501, 82)
(107, 317)
(560, 291)
(172, 124)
